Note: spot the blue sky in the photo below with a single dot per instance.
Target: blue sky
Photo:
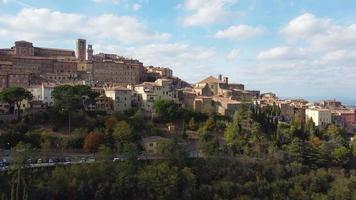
(296, 48)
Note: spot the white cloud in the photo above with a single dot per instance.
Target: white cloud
(344, 56)
(188, 61)
(44, 24)
(39, 23)
(233, 54)
(320, 33)
(240, 32)
(205, 12)
(283, 53)
(136, 6)
(318, 53)
(122, 28)
(4, 1)
(171, 54)
(305, 26)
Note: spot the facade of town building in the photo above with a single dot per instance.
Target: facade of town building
(226, 106)
(220, 86)
(121, 97)
(14, 80)
(344, 117)
(214, 84)
(216, 95)
(104, 103)
(116, 71)
(149, 92)
(203, 104)
(150, 144)
(26, 64)
(43, 93)
(65, 66)
(159, 72)
(186, 97)
(287, 110)
(321, 117)
(331, 104)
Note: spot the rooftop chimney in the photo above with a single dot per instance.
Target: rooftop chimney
(220, 77)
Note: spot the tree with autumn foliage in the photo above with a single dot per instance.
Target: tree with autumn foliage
(92, 141)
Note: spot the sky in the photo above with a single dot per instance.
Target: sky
(295, 48)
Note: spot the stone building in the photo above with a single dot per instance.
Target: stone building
(321, 117)
(81, 49)
(149, 92)
(26, 64)
(64, 66)
(43, 93)
(159, 72)
(121, 97)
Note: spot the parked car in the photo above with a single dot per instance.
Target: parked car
(67, 161)
(117, 159)
(82, 160)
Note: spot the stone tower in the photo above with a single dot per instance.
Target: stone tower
(81, 49)
(90, 52)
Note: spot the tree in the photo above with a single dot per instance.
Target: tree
(353, 147)
(159, 181)
(14, 96)
(192, 124)
(166, 110)
(232, 132)
(104, 153)
(92, 141)
(173, 151)
(68, 99)
(341, 155)
(340, 189)
(111, 122)
(123, 135)
(21, 153)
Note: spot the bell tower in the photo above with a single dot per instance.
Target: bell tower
(90, 52)
(81, 49)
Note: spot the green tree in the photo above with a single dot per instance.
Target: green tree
(353, 147)
(173, 151)
(13, 96)
(192, 124)
(341, 155)
(21, 153)
(166, 110)
(340, 189)
(104, 153)
(159, 181)
(68, 99)
(123, 135)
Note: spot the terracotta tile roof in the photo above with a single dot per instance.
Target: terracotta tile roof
(117, 88)
(210, 79)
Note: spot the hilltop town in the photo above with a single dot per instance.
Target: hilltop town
(125, 83)
(79, 125)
